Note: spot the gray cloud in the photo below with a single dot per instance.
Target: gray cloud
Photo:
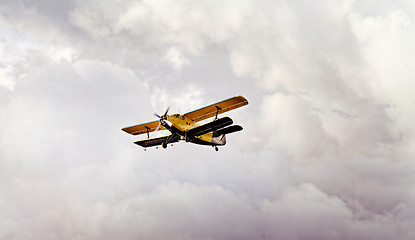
(326, 151)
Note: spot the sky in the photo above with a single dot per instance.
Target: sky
(327, 150)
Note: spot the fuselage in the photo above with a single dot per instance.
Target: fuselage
(180, 124)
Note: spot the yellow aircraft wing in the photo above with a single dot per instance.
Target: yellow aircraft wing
(220, 107)
(143, 128)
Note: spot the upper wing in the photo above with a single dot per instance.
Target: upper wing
(210, 111)
(142, 128)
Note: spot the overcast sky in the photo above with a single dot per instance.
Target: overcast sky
(327, 151)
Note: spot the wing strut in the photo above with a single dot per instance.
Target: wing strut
(148, 135)
(217, 111)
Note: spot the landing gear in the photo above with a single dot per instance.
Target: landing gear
(164, 145)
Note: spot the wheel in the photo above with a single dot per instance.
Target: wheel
(216, 149)
(164, 145)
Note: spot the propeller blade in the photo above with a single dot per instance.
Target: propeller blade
(158, 126)
(155, 131)
(165, 114)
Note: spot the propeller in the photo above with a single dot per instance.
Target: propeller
(162, 118)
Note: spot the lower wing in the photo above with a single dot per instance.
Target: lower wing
(230, 129)
(151, 142)
(209, 127)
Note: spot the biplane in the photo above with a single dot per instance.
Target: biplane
(187, 127)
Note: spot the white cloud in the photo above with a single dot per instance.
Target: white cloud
(28, 41)
(175, 58)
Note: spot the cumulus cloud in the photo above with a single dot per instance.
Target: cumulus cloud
(327, 146)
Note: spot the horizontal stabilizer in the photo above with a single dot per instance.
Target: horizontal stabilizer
(209, 127)
(230, 129)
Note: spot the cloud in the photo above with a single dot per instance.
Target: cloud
(326, 151)
(29, 42)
